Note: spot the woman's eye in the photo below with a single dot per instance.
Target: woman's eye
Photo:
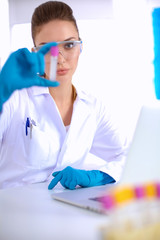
(69, 45)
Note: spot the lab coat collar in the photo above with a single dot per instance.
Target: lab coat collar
(81, 95)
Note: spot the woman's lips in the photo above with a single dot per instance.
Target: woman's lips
(62, 71)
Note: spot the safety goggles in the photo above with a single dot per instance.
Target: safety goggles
(67, 49)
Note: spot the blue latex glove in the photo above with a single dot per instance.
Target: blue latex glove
(71, 177)
(20, 71)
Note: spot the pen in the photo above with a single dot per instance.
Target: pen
(27, 125)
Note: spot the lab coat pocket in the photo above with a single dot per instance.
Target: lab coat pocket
(37, 144)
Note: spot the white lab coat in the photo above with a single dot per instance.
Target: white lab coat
(30, 159)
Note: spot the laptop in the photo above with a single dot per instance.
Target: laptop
(142, 162)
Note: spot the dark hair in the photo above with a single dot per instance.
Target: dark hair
(48, 11)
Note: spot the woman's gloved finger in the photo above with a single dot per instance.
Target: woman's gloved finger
(32, 62)
(46, 83)
(67, 182)
(54, 174)
(23, 55)
(63, 181)
(43, 50)
(72, 185)
(55, 180)
(40, 56)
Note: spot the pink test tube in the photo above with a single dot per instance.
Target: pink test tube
(53, 62)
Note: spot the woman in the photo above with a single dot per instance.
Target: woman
(53, 130)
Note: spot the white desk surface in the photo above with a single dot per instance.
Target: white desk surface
(30, 213)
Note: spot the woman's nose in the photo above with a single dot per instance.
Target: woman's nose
(61, 58)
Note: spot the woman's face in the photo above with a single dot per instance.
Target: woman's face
(56, 31)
